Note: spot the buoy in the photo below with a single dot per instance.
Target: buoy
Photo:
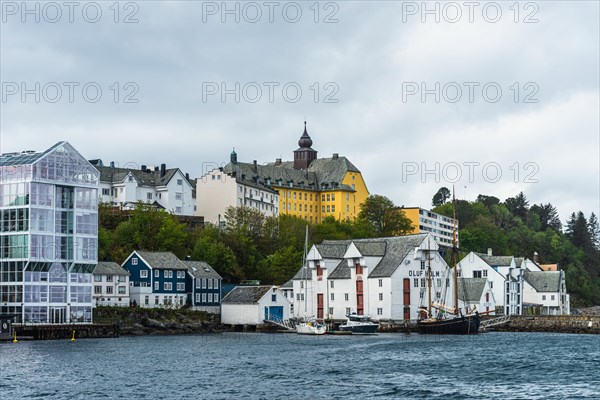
(15, 337)
(73, 337)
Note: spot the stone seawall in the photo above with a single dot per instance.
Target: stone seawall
(557, 324)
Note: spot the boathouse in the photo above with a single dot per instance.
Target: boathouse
(252, 305)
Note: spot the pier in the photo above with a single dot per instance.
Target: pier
(65, 331)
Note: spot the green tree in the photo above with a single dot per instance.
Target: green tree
(441, 196)
(384, 216)
(488, 201)
(280, 266)
(548, 216)
(518, 206)
(219, 256)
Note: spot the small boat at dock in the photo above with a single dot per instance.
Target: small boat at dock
(359, 324)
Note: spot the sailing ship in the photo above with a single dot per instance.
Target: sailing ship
(310, 325)
(449, 320)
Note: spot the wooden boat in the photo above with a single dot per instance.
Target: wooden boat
(449, 320)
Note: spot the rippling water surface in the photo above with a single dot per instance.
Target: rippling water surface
(236, 365)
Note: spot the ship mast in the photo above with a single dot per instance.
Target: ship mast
(454, 252)
(429, 313)
(305, 266)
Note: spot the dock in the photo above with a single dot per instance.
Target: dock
(65, 331)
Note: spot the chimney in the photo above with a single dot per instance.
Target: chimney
(490, 251)
(143, 168)
(255, 165)
(112, 164)
(187, 176)
(163, 168)
(278, 161)
(156, 168)
(535, 257)
(336, 156)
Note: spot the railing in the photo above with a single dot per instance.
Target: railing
(494, 321)
(282, 323)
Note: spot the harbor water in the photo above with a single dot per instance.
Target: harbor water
(267, 366)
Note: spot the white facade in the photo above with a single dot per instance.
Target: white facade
(253, 311)
(484, 302)
(111, 290)
(549, 298)
(440, 226)
(506, 280)
(216, 191)
(171, 190)
(356, 282)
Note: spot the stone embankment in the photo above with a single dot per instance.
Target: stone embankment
(139, 321)
(556, 324)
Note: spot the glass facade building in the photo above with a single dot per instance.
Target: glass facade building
(48, 235)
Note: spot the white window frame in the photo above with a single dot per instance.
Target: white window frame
(143, 273)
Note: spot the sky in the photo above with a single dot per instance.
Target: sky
(489, 97)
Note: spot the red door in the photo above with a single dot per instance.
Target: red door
(360, 307)
(406, 284)
(320, 305)
(406, 313)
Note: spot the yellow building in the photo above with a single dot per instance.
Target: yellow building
(309, 187)
(440, 226)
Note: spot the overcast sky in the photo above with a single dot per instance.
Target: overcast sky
(362, 68)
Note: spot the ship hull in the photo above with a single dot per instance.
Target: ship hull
(366, 329)
(468, 325)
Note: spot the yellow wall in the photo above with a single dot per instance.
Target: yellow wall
(413, 215)
(338, 203)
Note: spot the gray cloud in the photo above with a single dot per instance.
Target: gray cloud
(368, 54)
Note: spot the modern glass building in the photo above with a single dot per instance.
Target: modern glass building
(48, 235)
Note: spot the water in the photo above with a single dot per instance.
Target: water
(267, 366)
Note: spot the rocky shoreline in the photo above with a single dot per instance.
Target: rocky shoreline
(139, 322)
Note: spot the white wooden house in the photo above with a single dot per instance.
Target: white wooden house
(385, 278)
(475, 294)
(111, 285)
(252, 305)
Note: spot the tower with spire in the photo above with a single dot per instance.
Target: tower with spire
(304, 155)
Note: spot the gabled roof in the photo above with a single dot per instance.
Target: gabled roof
(342, 271)
(332, 249)
(151, 178)
(302, 274)
(245, 294)
(471, 289)
(496, 261)
(109, 268)
(397, 248)
(519, 261)
(25, 157)
(543, 281)
(328, 171)
(371, 248)
(201, 269)
(288, 285)
(162, 260)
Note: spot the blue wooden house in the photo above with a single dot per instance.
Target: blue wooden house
(206, 287)
(157, 279)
